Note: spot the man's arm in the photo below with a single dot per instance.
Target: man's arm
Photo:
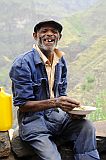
(63, 102)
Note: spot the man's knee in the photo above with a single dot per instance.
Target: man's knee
(88, 126)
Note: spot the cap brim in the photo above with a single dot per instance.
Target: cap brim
(55, 24)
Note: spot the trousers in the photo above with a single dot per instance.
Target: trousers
(79, 132)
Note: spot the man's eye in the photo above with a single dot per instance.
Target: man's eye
(44, 31)
(55, 32)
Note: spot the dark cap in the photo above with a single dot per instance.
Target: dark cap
(55, 24)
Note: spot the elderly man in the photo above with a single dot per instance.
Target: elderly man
(39, 81)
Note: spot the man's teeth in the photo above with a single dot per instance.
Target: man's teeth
(48, 40)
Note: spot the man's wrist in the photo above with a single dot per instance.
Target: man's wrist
(52, 102)
(57, 103)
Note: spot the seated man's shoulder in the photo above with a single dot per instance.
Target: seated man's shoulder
(22, 58)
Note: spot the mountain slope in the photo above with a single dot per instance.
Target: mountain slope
(88, 76)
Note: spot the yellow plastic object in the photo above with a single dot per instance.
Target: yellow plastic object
(5, 110)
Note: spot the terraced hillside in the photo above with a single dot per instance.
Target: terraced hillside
(89, 76)
(88, 69)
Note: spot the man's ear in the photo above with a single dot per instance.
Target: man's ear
(35, 35)
(60, 36)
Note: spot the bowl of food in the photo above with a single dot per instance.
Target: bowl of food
(83, 110)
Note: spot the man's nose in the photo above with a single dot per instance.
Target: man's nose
(49, 32)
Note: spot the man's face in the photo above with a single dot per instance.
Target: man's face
(47, 37)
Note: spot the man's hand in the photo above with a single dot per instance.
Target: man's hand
(66, 103)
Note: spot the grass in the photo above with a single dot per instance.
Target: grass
(88, 84)
(100, 103)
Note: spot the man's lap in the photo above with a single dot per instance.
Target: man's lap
(68, 130)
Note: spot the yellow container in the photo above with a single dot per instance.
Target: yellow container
(5, 110)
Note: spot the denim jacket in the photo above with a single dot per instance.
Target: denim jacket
(30, 81)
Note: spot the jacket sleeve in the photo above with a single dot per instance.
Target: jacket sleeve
(63, 84)
(22, 85)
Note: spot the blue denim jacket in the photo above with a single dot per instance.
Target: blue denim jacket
(30, 81)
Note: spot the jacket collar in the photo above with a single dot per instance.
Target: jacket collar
(37, 58)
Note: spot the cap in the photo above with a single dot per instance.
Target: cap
(55, 24)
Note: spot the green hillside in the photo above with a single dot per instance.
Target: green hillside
(85, 26)
(89, 76)
(88, 70)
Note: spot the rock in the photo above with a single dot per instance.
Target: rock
(10, 157)
(103, 156)
(101, 143)
(20, 148)
(100, 128)
(5, 147)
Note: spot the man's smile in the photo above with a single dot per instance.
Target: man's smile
(49, 41)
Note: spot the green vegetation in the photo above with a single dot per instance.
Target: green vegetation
(89, 82)
(90, 77)
(91, 56)
(100, 103)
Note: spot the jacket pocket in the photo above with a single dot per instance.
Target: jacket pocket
(62, 87)
(40, 89)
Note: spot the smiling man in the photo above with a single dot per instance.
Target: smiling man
(39, 82)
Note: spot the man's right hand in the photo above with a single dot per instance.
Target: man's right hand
(66, 103)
